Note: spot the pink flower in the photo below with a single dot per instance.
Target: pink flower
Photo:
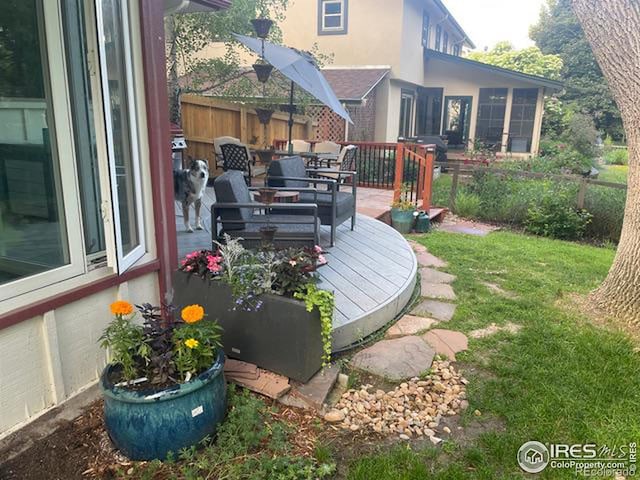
(317, 249)
(188, 268)
(321, 259)
(293, 263)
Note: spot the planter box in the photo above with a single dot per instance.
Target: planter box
(148, 424)
(281, 337)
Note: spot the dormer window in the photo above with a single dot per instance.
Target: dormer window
(332, 17)
(438, 37)
(445, 43)
(456, 49)
(425, 30)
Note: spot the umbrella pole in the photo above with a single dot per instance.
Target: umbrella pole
(290, 148)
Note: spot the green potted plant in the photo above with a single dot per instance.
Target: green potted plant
(402, 212)
(164, 389)
(267, 303)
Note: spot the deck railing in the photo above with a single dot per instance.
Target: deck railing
(414, 173)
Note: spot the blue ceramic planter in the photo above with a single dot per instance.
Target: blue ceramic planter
(402, 220)
(146, 425)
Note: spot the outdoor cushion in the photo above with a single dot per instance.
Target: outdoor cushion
(344, 203)
(291, 229)
(288, 167)
(230, 187)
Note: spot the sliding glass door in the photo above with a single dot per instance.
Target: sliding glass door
(428, 111)
(457, 116)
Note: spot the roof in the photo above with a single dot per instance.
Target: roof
(542, 81)
(454, 22)
(353, 84)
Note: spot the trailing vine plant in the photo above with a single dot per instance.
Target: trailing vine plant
(324, 301)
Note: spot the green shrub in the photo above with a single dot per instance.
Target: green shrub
(467, 205)
(616, 156)
(581, 134)
(606, 205)
(555, 216)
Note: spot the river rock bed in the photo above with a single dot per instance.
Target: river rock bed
(412, 409)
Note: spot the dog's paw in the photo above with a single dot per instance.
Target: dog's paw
(199, 227)
(189, 229)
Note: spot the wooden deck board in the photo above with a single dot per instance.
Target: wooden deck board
(372, 271)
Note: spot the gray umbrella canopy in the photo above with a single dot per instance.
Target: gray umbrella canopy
(300, 68)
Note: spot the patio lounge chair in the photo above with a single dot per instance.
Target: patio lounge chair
(334, 206)
(346, 162)
(236, 210)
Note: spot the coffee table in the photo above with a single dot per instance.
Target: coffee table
(280, 197)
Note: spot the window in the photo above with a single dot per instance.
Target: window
(428, 111)
(40, 242)
(425, 30)
(456, 50)
(406, 113)
(523, 113)
(67, 132)
(332, 17)
(445, 43)
(492, 105)
(121, 134)
(438, 37)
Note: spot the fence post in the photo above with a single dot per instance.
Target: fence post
(399, 174)
(582, 192)
(243, 125)
(428, 180)
(454, 187)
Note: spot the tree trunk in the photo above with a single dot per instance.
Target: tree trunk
(173, 85)
(612, 27)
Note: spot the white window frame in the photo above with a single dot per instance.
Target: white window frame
(64, 154)
(323, 4)
(124, 262)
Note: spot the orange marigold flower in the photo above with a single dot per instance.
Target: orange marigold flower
(192, 313)
(121, 307)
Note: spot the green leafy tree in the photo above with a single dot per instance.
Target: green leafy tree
(558, 32)
(187, 34)
(527, 60)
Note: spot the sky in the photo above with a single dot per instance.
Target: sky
(490, 21)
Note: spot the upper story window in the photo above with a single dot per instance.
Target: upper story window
(445, 43)
(456, 49)
(332, 17)
(438, 37)
(425, 30)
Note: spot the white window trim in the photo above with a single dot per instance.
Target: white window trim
(123, 261)
(65, 157)
(325, 15)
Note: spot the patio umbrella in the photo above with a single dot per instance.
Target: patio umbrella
(300, 68)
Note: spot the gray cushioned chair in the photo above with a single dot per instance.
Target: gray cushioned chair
(334, 206)
(237, 212)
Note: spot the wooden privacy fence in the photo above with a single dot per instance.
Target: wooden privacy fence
(206, 118)
(459, 169)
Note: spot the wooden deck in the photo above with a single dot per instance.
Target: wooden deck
(371, 270)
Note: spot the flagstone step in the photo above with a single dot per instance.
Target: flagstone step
(441, 311)
(409, 325)
(431, 275)
(437, 290)
(397, 359)
(446, 342)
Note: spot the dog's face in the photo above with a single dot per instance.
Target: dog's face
(199, 169)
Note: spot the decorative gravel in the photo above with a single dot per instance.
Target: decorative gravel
(413, 409)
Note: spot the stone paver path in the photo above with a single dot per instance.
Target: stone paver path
(410, 325)
(442, 291)
(398, 359)
(441, 311)
(446, 342)
(431, 275)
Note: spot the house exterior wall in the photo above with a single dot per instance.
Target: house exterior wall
(364, 119)
(49, 347)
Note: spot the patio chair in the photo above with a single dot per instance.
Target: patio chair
(326, 146)
(346, 162)
(334, 206)
(219, 141)
(236, 211)
(236, 157)
(301, 146)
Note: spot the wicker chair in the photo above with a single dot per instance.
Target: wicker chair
(235, 157)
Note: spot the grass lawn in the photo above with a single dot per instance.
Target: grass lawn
(614, 173)
(560, 380)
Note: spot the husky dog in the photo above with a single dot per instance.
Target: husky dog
(188, 187)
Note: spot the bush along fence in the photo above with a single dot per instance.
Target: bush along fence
(557, 205)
